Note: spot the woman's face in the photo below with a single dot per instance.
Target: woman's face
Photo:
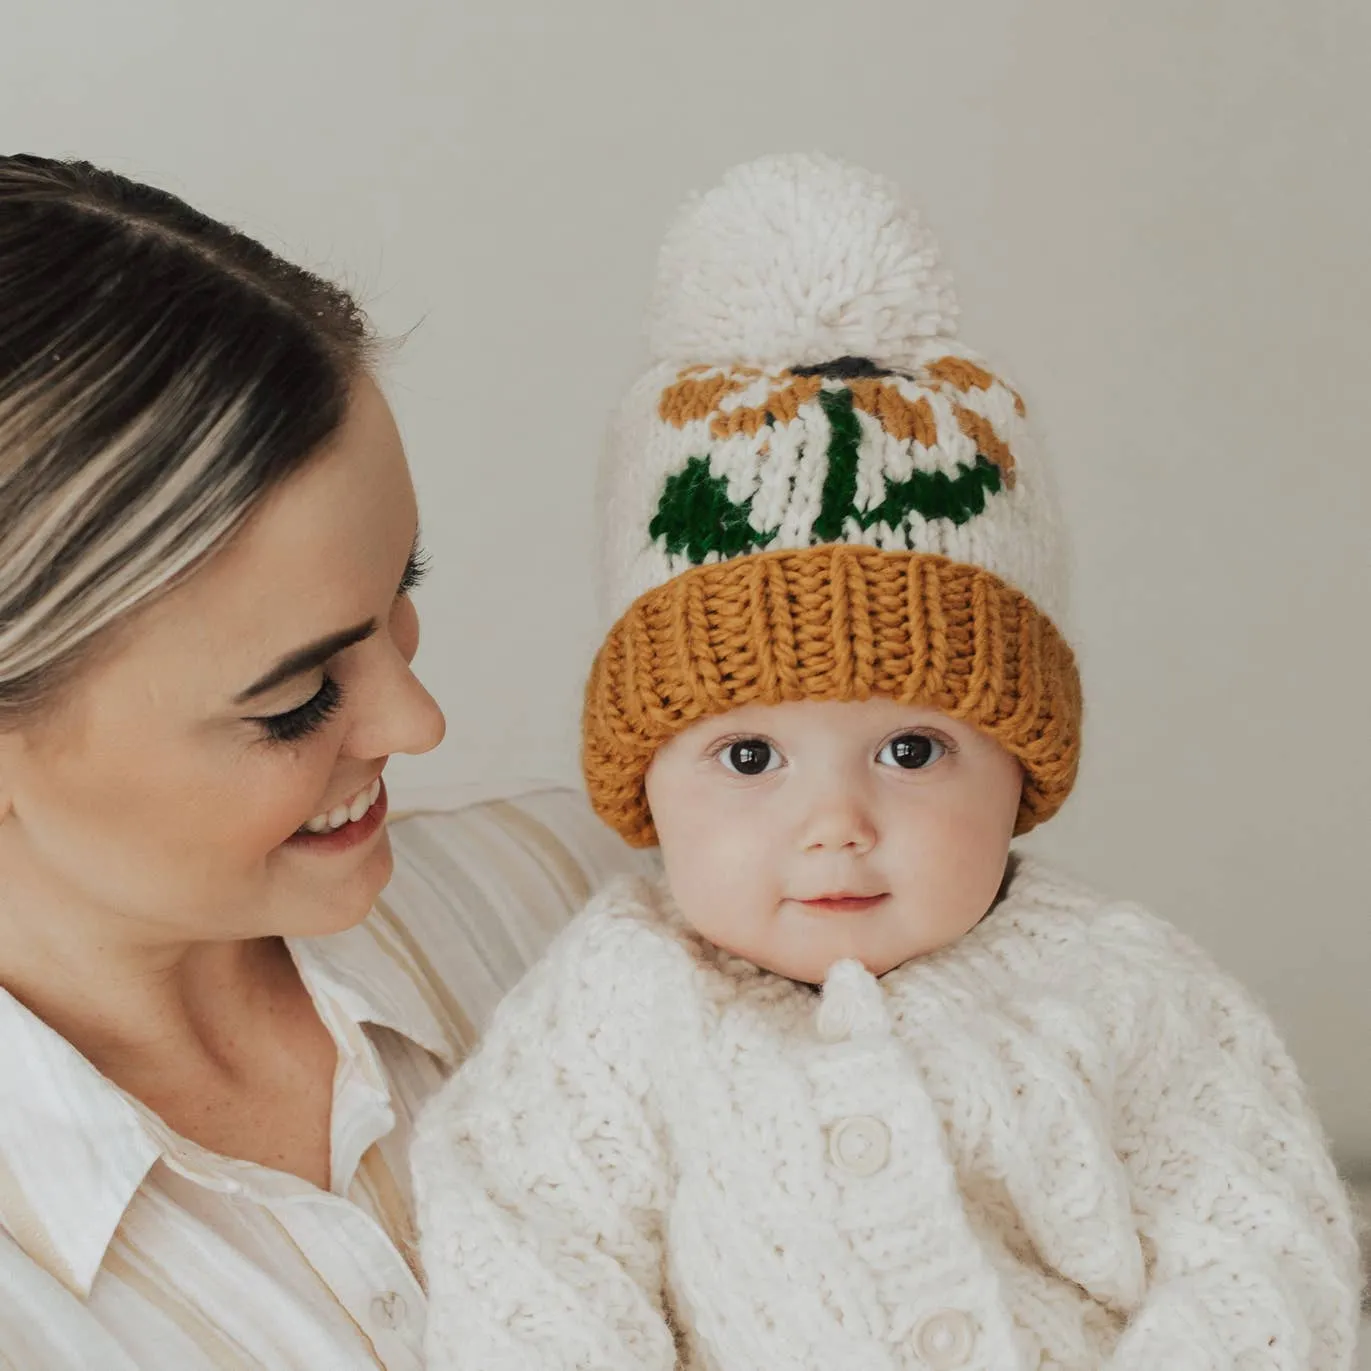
(169, 788)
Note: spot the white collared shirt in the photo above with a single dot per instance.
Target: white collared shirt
(124, 1245)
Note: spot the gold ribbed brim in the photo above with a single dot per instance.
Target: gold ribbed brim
(834, 622)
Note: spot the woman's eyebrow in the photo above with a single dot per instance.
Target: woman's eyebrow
(306, 659)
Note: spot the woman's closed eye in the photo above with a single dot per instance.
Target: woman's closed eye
(294, 724)
(304, 719)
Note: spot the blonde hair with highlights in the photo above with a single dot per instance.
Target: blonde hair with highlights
(159, 374)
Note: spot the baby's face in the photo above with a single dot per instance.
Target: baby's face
(799, 834)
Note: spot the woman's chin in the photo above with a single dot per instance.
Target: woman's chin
(323, 902)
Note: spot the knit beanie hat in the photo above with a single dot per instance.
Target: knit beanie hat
(817, 493)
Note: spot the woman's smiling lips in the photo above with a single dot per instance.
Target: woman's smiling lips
(350, 833)
(842, 902)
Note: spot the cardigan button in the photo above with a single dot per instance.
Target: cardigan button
(859, 1145)
(944, 1340)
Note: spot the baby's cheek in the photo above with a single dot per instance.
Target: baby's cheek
(709, 880)
(969, 868)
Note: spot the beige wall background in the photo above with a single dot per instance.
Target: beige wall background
(1157, 215)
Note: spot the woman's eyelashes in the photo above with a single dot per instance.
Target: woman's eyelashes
(304, 719)
(415, 571)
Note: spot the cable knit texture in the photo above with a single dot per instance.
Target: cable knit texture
(1066, 1142)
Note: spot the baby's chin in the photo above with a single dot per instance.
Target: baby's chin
(815, 972)
(809, 960)
(804, 945)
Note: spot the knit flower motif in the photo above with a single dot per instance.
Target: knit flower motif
(928, 454)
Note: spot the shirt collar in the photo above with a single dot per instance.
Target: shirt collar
(74, 1148)
(373, 977)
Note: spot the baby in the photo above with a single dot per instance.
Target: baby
(853, 1087)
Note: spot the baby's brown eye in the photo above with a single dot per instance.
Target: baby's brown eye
(749, 757)
(911, 751)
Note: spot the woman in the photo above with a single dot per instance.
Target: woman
(208, 537)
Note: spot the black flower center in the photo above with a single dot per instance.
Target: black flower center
(843, 369)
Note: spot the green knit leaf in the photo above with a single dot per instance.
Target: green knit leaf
(932, 494)
(935, 495)
(840, 482)
(695, 516)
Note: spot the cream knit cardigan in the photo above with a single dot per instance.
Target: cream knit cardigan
(1067, 1141)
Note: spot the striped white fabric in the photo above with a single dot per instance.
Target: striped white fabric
(123, 1245)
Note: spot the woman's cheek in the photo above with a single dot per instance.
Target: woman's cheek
(404, 627)
(290, 793)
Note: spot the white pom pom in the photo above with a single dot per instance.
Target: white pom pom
(798, 259)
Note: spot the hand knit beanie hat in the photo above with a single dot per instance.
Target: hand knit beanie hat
(817, 493)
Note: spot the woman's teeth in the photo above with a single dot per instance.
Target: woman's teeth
(345, 813)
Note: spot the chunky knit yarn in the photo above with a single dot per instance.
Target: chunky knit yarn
(830, 623)
(1066, 1141)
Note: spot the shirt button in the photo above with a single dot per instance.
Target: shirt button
(944, 1340)
(859, 1145)
(389, 1309)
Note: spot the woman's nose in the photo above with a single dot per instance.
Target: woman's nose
(395, 713)
(419, 724)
